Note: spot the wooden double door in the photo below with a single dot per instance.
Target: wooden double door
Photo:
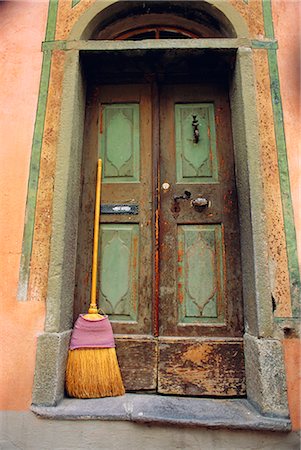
(169, 274)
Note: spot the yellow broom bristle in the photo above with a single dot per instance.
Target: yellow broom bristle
(93, 373)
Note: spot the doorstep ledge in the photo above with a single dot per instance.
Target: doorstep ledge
(163, 410)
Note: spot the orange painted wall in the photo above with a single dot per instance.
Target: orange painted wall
(286, 18)
(22, 30)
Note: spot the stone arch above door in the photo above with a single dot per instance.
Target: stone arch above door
(53, 343)
(217, 14)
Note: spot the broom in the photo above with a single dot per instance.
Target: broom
(92, 366)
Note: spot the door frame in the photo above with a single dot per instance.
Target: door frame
(260, 348)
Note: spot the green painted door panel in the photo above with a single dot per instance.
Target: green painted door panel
(119, 271)
(119, 142)
(200, 273)
(196, 162)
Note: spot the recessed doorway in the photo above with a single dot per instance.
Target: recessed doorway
(170, 271)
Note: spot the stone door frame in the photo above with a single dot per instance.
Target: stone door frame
(265, 373)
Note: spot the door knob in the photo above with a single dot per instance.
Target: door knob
(200, 202)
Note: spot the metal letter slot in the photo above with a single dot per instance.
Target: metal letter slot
(119, 209)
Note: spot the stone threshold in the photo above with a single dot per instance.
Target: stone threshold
(163, 410)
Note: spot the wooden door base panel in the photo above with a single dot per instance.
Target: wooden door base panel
(137, 357)
(191, 367)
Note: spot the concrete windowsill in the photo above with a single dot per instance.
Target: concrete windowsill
(158, 409)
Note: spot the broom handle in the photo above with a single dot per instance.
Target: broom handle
(93, 304)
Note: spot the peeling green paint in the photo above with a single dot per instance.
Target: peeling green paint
(288, 214)
(273, 44)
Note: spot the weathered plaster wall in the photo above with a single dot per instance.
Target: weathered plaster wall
(279, 277)
(37, 288)
(21, 32)
(286, 17)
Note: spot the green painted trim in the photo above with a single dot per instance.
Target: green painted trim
(287, 206)
(51, 21)
(268, 19)
(75, 2)
(268, 44)
(34, 178)
(54, 45)
(128, 131)
(34, 168)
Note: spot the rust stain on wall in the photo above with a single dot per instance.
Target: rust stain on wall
(43, 218)
(278, 264)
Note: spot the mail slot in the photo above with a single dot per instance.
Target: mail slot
(119, 209)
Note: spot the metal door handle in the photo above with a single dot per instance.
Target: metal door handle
(200, 202)
(185, 196)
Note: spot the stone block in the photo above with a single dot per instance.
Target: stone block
(51, 359)
(265, 375)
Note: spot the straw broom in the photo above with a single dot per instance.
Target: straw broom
(92, 366)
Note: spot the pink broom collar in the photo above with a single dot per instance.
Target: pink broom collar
(92, 334)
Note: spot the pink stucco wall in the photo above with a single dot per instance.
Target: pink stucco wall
(286, 17)
(21, 33)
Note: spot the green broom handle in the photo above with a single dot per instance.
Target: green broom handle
(93, 305)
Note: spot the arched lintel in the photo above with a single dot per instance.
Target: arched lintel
(102, 9)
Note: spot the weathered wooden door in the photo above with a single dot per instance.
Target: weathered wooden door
(169, 254)
(200, 302)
